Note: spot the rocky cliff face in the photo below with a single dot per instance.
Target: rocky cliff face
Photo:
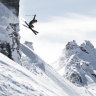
(9, 28)
(13, 5)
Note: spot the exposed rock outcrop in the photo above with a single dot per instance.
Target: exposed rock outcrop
(13, 5)
(9, 29)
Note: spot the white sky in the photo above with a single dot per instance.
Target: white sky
(59, 21)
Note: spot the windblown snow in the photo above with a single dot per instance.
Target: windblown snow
(78, 64)
(33, 77)
(15, 80)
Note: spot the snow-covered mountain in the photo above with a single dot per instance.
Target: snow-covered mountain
(31, 76)
(36, 79)
(78, 63)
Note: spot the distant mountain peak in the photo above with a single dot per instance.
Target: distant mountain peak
(71, 45)
(77, 62)
(87, 43)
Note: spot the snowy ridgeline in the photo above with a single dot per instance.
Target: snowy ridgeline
(78, 63)
(36, 79)
(9, 37)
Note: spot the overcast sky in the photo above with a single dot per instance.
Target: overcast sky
(59, 21)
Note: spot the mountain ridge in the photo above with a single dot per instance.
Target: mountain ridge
(30, 75)
(77, 62)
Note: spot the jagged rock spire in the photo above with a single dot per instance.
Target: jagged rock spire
(78, 62)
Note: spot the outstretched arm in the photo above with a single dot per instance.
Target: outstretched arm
(34, 17)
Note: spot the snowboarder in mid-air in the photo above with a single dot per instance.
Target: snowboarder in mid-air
(30, 25)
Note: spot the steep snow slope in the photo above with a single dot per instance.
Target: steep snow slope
(15, 80)
(32, 62)
(37, 78)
